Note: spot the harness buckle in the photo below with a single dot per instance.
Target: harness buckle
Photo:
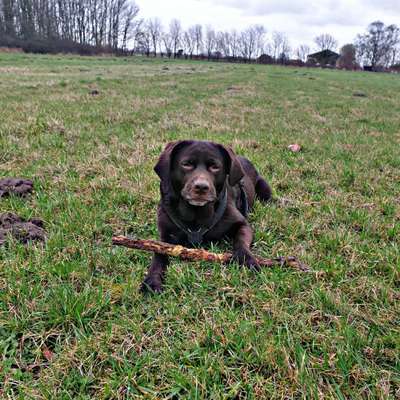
(195, 237)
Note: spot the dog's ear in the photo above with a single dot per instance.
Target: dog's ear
(163, 166)
(235, 169)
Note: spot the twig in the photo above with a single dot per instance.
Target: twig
(187, 254)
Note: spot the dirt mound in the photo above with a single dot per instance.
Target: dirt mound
(17, 186)
(22, 230)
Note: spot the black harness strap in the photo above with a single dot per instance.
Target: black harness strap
(244, 202)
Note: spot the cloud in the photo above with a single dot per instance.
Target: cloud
(339, 12)
(276, 7)
(309, 13)
(392, 6)
(300, 20)
(260, 8)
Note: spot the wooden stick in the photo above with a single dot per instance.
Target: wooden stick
(187, 254)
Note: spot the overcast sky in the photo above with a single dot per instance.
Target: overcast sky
(301, 20)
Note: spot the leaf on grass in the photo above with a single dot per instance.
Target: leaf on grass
(47, 353)
(295, 148)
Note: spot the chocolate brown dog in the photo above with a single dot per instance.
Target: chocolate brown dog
(206, 193)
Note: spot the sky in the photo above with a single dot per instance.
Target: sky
(301, 20)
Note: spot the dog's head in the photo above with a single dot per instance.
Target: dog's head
(197, 171)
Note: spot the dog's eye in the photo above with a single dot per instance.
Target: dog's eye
(187, 164)
(214, 167)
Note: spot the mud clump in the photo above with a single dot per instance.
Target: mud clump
(16, 186)
(12, 225)
(359, 94)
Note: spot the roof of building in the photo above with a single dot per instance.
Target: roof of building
(324, 53)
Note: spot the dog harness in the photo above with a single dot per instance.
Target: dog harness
(244, 202)
(195, 237)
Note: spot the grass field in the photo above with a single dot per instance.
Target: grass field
(72, 322)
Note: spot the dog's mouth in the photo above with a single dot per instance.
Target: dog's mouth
(198, 203)
(197, 197)
(198, 200)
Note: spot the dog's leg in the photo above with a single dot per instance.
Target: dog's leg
(241, 246)
(155, 274)
(263, 190)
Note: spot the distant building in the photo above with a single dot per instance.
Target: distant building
(323, 58)
(265, 59)
(395, 68)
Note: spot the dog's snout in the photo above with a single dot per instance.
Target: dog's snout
(201, 185)
(199, 190)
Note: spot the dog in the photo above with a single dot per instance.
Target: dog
(206, 194)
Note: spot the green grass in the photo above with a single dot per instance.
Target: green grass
(72, 322)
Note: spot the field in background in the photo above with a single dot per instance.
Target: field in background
(89, 130)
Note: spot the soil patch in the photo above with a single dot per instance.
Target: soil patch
(17, 186)
(22, 230)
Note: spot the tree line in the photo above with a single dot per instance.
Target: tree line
(67, 25)
(93, 26)
(378, 48)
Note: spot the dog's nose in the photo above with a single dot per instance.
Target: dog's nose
(202, 186)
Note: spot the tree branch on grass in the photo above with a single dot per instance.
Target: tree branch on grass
(187, 254)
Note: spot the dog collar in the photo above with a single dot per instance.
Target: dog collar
(195, 237)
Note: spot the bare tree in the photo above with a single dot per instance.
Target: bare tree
(136, 34)
(221, 43)
(393, 45)
(302, 52)
(175, 32)
(129, 25)
(210, 41)
(8, 18)
(196, 31)
(251, 41)
(243, 45)
(143, 41)
(259, 32)
(396, 54)
(27, 24)
(189, 42)
(233, 42)
(326, 42)
(280, 46)
(154, 27)
(168, 43)
(268, 48)
(378, 47)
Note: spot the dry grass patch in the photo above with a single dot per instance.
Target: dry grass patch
(72, 322)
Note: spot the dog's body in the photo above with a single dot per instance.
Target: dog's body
(206, 192)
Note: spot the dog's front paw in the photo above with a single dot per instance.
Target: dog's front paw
(244, 257)
(151, 284)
